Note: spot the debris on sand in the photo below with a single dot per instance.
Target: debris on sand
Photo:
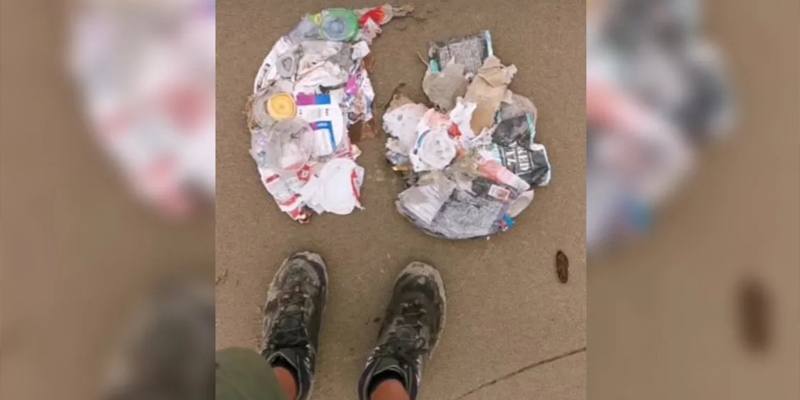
(470, 161)
(562, 267)
(311, 89)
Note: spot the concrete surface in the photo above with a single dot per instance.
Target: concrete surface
(513, 329)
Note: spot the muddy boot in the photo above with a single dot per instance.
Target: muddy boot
(292, 317)
(411, 328)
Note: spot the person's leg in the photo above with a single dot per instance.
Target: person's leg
(390, 389)
(292, 318)
(242, 374)
(411, 329)
(286, 381)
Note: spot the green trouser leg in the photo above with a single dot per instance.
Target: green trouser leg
(242, 374)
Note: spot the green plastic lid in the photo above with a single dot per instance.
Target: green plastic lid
(339, 24)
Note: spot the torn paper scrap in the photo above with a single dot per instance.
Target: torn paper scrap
(443, 88)
(488, 89)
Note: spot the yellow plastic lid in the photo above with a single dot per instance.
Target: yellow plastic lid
(281, 106)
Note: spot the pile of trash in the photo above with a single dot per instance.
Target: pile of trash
(311, 88)
(471, 161)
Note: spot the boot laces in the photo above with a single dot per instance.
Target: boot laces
(406, 341)
(290, 327)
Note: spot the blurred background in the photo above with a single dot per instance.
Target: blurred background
(693, 199)
(107, 223)
(106, 216)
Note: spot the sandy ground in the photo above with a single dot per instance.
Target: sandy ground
(513, 330)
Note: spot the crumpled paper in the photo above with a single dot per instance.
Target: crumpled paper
(443, 88)
(487, 90)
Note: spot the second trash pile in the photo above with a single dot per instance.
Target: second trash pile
(471, 162)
